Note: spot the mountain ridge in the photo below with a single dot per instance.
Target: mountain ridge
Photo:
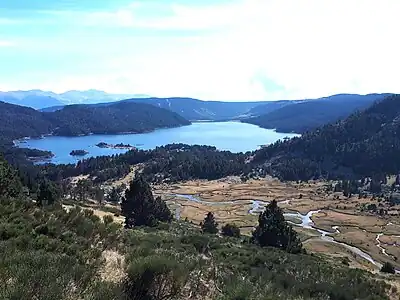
(366, 144)
(19, 121)
(39, 99)
(196, 110)
(312, 113)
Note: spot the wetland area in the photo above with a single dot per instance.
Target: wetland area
(329, 223)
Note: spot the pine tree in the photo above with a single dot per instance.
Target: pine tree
(274, 231)
(140, 208)
(209, 225)
(99, 195)
(47, 193)
(10, 185)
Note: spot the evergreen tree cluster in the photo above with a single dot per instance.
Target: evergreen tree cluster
(140, 208)
(274, 231)
(10, 185)
(364, 145)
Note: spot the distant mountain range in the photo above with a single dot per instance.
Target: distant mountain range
(38, 99)
(285, 115)
(194, 109)
(300, 116)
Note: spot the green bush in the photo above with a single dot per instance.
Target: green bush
(230, 230)
(155, 278)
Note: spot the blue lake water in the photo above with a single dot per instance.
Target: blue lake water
(232, 136)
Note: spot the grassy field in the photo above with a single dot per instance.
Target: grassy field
(356, 228)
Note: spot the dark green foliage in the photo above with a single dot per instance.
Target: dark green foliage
(10, 185)
(230, 230)
(155, 278)
(209, 225)
(79, 152)
(388, 268)
(113, 118)
(50, 253)
(364, 145)
(140, 208)
(348, 187)
(46, 251)
(246, 270)
(47, 193)
(274, 231)
(310, 114)
(18, 121)
(169, 163)
(183, 162)
(114, 195)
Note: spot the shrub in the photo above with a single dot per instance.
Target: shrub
(107, 219)
(388, 268)
(231, 230)
(155, 278)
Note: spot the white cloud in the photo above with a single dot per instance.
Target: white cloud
(5, 43)
(310, 48)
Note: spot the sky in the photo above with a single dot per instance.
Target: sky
(235, 50)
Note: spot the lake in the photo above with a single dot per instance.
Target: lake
(232, 136)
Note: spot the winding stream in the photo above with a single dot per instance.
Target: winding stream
(258, 206)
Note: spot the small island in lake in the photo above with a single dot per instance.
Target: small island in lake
(78, 152)
(116, 146)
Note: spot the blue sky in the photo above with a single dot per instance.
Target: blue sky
(213, 50)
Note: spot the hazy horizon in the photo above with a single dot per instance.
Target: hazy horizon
(210, 50)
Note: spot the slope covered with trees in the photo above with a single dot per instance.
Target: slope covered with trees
(17, 121)
(365, 144)
(310, 114)
(116, 118)
(50, 253)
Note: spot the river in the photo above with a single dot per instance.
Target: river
(231, 136)
(305, 221)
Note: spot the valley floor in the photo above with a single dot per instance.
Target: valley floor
(332, 214)
(335, 228)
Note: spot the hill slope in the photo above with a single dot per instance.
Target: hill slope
(17, 121)
(116, 118)
(365, 144)
(310, 114)
(194, 109)
(60, 251)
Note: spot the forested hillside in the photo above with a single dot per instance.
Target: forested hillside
(310, 114)
(365, 144)
(52, 252)
(116, 118)
(17, 121)
(194, 109)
